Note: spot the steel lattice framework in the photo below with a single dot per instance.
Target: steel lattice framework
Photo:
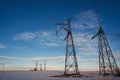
(107, 63)
(71, 65)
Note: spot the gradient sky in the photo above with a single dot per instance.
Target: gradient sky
(27, 30)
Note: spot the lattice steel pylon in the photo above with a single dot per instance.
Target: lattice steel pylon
(36, 65)
(71, 65)
(107, 63)
(44, 65)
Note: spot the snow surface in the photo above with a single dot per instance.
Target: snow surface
(45, 75)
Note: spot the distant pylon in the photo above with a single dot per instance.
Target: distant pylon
(44, 65)
(0, 66)
(71, 65)
(3, 66)
(107, 63)
(36, 65)
(40, 67)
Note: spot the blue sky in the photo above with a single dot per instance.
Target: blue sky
(27, 30)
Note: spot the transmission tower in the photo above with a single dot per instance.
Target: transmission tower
(2, 65)
(36, 66)
(71, 65)
(40, 67)
(44, 65)
(107, 63)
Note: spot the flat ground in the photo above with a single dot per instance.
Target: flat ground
(45, 75)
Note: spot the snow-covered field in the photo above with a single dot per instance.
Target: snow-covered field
(45, 75)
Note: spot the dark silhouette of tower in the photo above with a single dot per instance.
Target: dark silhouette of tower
(36, 66)
(107, 63)
(40, 67)
(2, 65)
(44, 65)
(71, 65)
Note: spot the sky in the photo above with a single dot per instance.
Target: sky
(28, 33)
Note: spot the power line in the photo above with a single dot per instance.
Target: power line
(38, 5)
(117, 35)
